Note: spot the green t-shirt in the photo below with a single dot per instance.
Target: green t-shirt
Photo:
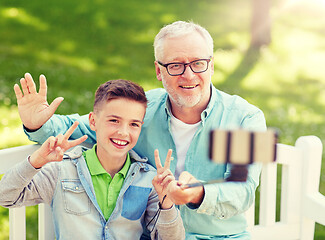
(106, 188)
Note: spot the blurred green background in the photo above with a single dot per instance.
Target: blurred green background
(80, 44)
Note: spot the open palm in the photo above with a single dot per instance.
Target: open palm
(33, 107)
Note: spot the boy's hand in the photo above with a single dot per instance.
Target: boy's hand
(33, 107)
(53, 148)
(163, 179)
(180, 195)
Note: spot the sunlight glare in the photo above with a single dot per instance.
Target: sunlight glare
(23, 17)
(290, 3)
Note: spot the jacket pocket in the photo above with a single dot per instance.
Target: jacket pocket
(135, 202)
(75, 198)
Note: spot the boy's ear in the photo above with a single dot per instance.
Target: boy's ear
(92, 121)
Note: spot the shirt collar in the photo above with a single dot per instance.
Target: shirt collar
(96, 168)
(126, 166)
(168, 106)
(205, 113)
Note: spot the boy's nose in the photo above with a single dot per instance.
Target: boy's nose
(122, 131)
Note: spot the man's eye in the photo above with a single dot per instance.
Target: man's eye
(113, 120)
(175, 66)
(199, 63)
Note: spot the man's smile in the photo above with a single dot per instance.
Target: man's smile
(189, 86)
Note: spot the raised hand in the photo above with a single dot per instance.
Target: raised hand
(33, 107)
(163, 179)
(53, 148)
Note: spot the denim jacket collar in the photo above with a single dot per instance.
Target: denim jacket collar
(76, 153)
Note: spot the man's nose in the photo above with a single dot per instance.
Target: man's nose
(188, 73)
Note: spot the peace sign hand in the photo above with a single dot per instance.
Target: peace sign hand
(163, 179)
(53, 148)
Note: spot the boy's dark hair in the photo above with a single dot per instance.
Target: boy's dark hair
(120, 88)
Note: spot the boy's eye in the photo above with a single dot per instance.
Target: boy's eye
(135, 125)
(113, 120)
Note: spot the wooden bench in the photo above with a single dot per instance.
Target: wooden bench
(17, 217)
(301, 203)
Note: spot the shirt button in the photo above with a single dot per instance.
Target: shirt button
(106, 227)
(77, 188)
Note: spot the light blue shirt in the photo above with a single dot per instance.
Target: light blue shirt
(221, 212)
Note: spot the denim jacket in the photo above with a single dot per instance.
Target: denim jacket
(68, 188)
(221, 213)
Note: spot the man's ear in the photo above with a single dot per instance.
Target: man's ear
(92, 121)
(158, 71)
(212, 65)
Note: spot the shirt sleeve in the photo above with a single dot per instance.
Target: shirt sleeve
(23, 185)
(60, 124)
(227, 199)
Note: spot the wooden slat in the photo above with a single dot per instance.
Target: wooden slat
(291, 192)
(277, 231)
(11, 156)
(17, 223)
(287, 154)
(45, 223)
(314, 207)
(268, 194)
(311, 147)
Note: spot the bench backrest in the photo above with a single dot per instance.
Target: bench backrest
(301, 202)
(17, 216)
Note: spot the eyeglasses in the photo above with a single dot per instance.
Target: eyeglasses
(176, 68)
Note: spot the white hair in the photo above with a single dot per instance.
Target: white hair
(177, 29)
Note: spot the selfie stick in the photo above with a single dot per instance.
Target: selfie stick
(239, 148)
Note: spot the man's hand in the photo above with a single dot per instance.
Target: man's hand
(163, 179)
(33, 107)
(53, 148)
(180, 196)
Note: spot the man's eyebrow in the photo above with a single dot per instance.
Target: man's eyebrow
(177, 60)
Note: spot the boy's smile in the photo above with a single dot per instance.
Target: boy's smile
(117, 124)
(119, 143)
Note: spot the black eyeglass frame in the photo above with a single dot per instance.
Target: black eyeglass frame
(185, 65)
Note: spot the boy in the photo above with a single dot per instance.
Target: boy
(104, 192)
